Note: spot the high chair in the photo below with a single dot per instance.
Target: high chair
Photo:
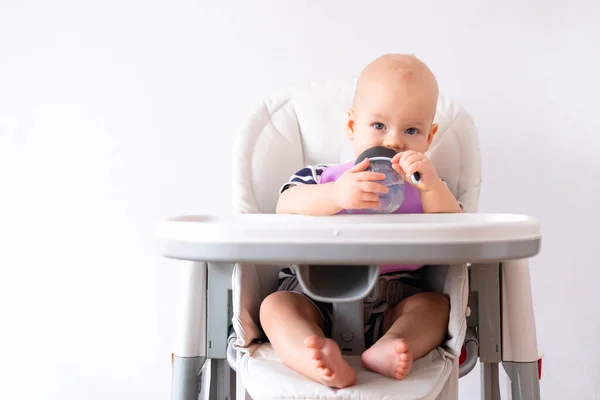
(230, 263)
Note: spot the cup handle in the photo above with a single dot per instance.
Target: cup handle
(416, 178)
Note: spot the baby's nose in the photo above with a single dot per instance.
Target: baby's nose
(397, 147)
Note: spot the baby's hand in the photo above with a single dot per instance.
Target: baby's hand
(356, 189)
(409, 162)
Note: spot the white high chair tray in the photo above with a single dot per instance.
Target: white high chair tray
(352, 239)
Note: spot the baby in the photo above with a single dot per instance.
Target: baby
(394, 106)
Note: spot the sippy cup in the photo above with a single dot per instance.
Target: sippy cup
(380, 160)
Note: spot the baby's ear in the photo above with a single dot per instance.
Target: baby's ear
(350, 124)
(432, 132)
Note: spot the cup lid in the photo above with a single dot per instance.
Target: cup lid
(376, 153)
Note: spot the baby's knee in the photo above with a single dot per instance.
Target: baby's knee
(283, 305)
(273, 301)
(277, 303)
(428, 302)
(435, 301)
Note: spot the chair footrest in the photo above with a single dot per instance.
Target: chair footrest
(266, 378)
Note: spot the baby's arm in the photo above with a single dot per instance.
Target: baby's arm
(435, 195)
(308, 200)
(439, 199)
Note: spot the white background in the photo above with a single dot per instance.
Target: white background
(115, 114)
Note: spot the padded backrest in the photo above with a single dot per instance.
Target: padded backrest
(306, 125)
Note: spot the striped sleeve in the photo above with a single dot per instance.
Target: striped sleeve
(309, 175)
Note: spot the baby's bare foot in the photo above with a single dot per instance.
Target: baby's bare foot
(332, 369)
(390, 357)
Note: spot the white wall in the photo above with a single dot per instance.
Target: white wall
(111, 114)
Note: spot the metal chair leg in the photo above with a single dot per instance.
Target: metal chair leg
(186, 381)
(524, 380)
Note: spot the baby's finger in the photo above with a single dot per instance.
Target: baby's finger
(369, 204)
(369, 197)
(369, 176)
(373, 187)
(411, 159)
(398, 169)
(404, 155)
(361, 166)
(414, 167)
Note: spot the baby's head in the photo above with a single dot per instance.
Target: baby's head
(394, 105)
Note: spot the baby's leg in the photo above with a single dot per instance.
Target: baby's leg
(294, 328)
(419, 325)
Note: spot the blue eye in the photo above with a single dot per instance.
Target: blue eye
(379, 126)
(411, 131)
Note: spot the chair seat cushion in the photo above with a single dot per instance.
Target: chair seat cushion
(266, 378)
